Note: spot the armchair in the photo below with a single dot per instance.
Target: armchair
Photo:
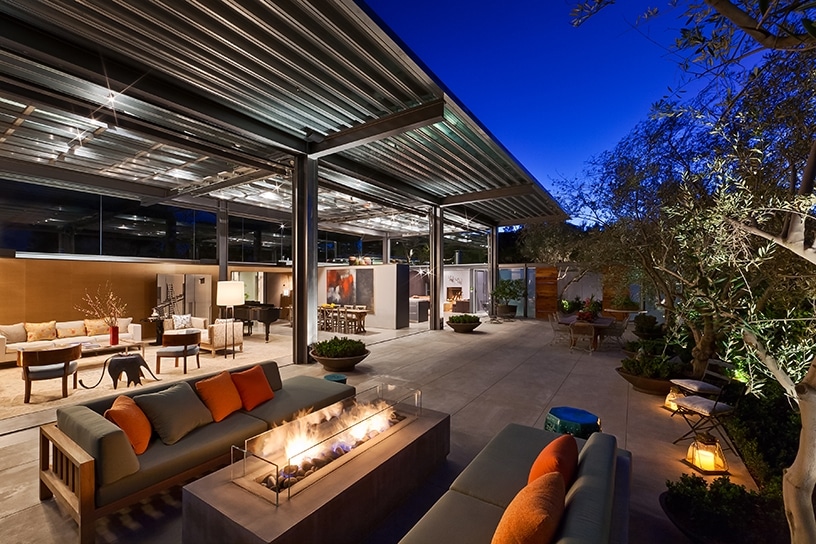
(220, 336)
(47, 364)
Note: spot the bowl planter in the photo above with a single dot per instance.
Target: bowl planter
(652, 386)
(463, 327)
(338, 364)
(338, 354)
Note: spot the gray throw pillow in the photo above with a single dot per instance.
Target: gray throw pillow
(174, 411)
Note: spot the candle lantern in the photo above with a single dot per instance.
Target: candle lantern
(669, 403)
(706, 455)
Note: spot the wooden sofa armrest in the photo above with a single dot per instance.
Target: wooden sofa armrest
(67, 473)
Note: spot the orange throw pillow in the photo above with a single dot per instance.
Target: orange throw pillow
(560, 455)
(534, 513)
(126, 414)
(253, 387)
(219, 394)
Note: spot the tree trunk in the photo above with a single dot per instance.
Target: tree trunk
(704, 347)
(798, 481)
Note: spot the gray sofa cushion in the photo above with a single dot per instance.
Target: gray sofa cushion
(102, 440)
(174, 412)
(301, 393)
(508, 458)
(588, 512)
(456, 518)
(201, 445)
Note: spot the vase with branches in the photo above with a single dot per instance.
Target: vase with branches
(104, 305)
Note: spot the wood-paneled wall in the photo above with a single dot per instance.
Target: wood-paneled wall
(43, 289)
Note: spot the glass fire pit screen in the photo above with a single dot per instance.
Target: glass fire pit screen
(288, 458)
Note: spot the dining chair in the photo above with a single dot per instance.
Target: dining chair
(579, 330)
(48, 364)
(560, 331)
(179, 346)
(614, 332)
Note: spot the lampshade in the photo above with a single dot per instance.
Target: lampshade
(230, 293)
(706, 455)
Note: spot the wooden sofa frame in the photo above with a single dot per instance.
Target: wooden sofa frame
(67, 473)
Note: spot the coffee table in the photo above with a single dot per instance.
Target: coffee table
(100, 348)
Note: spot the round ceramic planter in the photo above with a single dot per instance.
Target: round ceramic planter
(339, 364)
(463, 327)
(652, 386)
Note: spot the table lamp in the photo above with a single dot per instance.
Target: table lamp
(229, 295)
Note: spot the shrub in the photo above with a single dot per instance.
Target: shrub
(339, 347)
(464, 318)
(726, 512)
(653, 366)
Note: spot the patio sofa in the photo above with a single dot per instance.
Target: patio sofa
(50, 334)
(89, 464)
(596, 505)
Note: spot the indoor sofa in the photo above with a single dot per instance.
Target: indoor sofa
(88, 463)
(596, 504)
(53, 334)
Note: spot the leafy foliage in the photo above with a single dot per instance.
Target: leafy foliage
(727, 512)
(659, 366)
(464, 318)
(339, 347)
(508, 290)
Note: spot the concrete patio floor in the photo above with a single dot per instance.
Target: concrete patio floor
(500, 373)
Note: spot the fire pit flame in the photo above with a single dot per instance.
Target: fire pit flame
(310, 442)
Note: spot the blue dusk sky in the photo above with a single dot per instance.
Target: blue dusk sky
(554, 95)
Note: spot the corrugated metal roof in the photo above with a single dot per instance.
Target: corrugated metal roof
(189, 102)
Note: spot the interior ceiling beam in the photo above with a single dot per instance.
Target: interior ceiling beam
(237, 209)
(340, 188)
(138, 82)
(490, 194)
(45, 174)
(340, 228)
(203, 189)
(378, 179)
(29, 94)
(377, 129)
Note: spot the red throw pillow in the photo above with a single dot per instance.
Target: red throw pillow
(253, 387)
(127, 415)
(534, 513)
(560, 455)
(219, 394)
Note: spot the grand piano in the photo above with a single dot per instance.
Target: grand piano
(256, 311)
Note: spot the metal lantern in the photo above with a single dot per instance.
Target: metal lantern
(706, 455)
(669, 403)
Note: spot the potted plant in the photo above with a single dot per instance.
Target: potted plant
(464, 322)
(646, 327)
(650, 372)
(339, 354)
(105, 305)
(505, 292)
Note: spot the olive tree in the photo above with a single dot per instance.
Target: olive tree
(714, 37)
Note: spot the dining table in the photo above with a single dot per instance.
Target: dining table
(599, 324)
(341, 319)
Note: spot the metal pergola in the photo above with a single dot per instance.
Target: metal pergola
(263, 109)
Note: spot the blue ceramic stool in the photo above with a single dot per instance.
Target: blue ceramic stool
(568, 420)
(337, 378)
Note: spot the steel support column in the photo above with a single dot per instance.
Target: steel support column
(222, 239)
(492, 265)
(436, 268)
(304, 258)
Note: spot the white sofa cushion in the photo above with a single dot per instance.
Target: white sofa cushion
(70, 329)
(13, 333)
